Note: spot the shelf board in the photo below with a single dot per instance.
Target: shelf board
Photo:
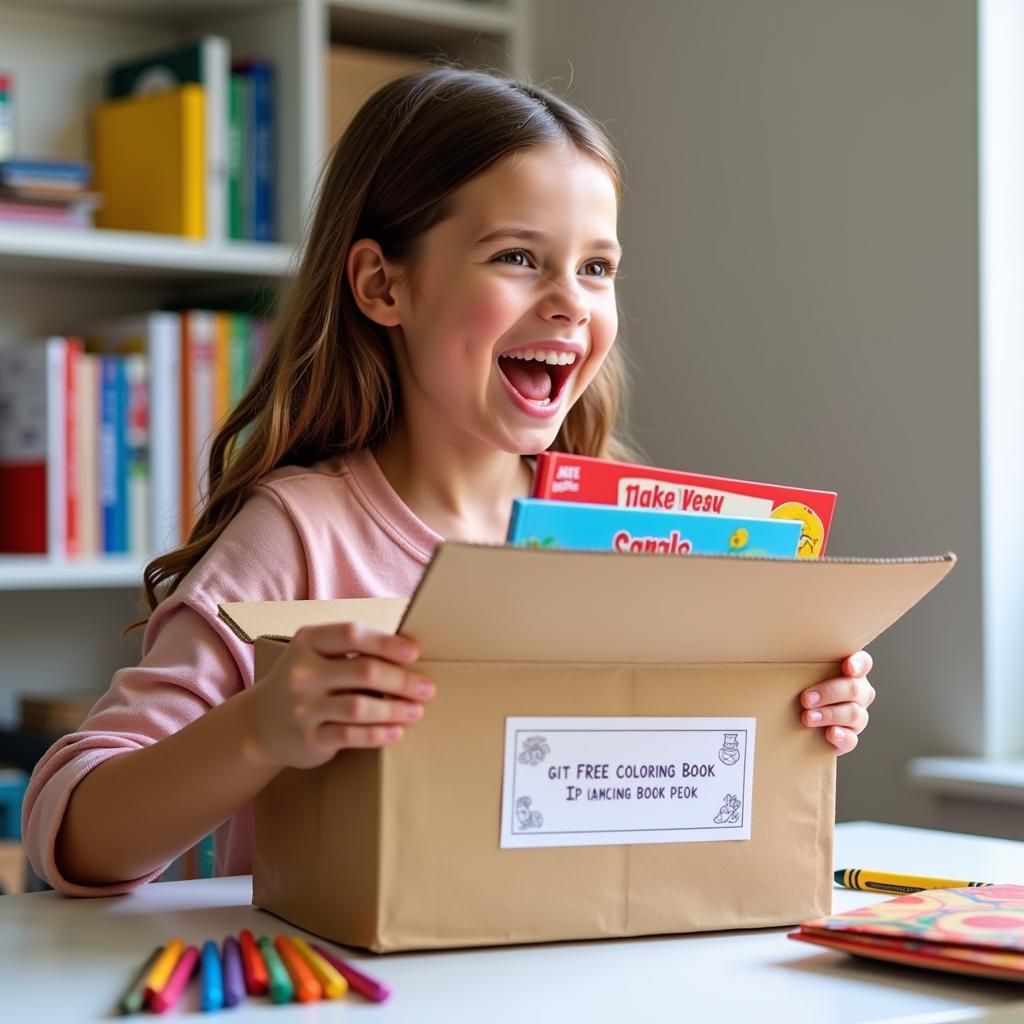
(136, 254)
(387, 23)
(39, 572)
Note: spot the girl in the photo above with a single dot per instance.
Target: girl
(454, 312)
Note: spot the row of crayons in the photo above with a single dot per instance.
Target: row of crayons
(288, 969)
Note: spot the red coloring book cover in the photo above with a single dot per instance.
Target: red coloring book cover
(969, 931)
(604, 482)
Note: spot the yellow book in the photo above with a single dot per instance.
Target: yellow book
(149, 160)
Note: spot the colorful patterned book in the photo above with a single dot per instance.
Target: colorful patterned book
(968, 931)
(564, 524)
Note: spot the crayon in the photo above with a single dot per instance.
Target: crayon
(169, 995)
(334, 984)
(886, 881)
(134, 998)
(307, 988)
(255, 970)
(363, 984)
(161, 970)
(279, 982)
(234, 982)
(211, 975)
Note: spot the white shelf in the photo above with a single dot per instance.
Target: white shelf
(398, 17)
(973, 778)
(39, 572)
(99, 252)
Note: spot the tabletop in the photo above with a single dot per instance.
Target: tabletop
(69, 960)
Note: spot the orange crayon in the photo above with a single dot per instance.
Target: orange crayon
(257, 980)
(334, 984)
(307, 988)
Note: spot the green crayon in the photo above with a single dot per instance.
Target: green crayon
(281, 988)
(135, 995)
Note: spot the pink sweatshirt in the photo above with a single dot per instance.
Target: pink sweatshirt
(336, 529)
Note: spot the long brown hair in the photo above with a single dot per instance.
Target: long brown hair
(327, 384)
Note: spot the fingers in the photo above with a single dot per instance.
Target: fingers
(850, 716)
(835, 691)
(842, 739)
(366, 709)
(337, 736)
(334, 640)
(859, 664)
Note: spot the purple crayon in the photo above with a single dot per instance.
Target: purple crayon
(234, 980)
(374, 990)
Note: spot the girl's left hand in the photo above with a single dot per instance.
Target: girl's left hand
(839, 706)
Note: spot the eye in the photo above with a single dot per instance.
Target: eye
(514, 252)
(608, 270)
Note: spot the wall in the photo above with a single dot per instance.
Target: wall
(800, 293)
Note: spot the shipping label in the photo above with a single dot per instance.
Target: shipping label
(614, 781)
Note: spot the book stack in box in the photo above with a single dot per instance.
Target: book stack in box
(598, 504)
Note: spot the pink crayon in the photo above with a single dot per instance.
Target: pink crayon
(374, 990)
(169, 995)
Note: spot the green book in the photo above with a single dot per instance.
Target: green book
(238, 105)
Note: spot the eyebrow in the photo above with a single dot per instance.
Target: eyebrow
(517, 231)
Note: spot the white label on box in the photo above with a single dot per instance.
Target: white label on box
(642, 492)
(618, 781)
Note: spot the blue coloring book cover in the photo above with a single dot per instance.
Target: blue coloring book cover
(542, 523)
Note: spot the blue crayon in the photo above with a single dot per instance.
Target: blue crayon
(211, 978)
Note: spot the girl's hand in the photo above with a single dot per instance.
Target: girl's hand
(840, 705)
(335, 686)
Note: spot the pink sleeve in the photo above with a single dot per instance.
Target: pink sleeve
(190, 662)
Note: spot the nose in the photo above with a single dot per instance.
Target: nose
(565, 300)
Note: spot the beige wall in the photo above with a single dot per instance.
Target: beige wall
(800, 292)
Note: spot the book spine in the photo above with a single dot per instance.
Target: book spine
(261, 154)
(72, 427)
(543, 475)
(166, 399)
(137, 434)
(236, 141)
(23, 449)
(238, 368)
(216, 64)
(88, 447)
(56, 450)
(108, 455)
(221, 366)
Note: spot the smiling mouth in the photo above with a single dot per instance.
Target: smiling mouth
(539, 377)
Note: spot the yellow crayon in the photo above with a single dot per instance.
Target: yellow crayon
(334, 985)
(886, 881)
(161, 970)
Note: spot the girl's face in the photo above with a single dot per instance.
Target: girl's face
(512, 310)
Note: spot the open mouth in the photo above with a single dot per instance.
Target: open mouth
(538, 376)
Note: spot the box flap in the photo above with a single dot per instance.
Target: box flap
(251, 619)
(503, 603)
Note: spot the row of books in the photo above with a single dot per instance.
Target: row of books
(104, 438)
(185, 144)
(598, 504)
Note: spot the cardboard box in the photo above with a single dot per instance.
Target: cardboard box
(353, 73)
(402, 848)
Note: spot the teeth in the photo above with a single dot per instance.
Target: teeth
(543, 356)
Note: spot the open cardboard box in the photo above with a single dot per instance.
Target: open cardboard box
(402, 848)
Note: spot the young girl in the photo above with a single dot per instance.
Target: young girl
(454, 313)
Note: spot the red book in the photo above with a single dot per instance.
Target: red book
(604, 482)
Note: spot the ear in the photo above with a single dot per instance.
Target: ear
(372, 282)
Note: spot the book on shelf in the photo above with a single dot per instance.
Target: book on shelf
(543, 523)
(51, 193)
(36, 420)
(149, 156)
(204, 63)
(258, 131)
(580, 478)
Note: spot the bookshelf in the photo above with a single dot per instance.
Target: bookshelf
(60, 621)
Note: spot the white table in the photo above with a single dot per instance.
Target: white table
(69, 960)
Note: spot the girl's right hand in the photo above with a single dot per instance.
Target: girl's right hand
(335, 686)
